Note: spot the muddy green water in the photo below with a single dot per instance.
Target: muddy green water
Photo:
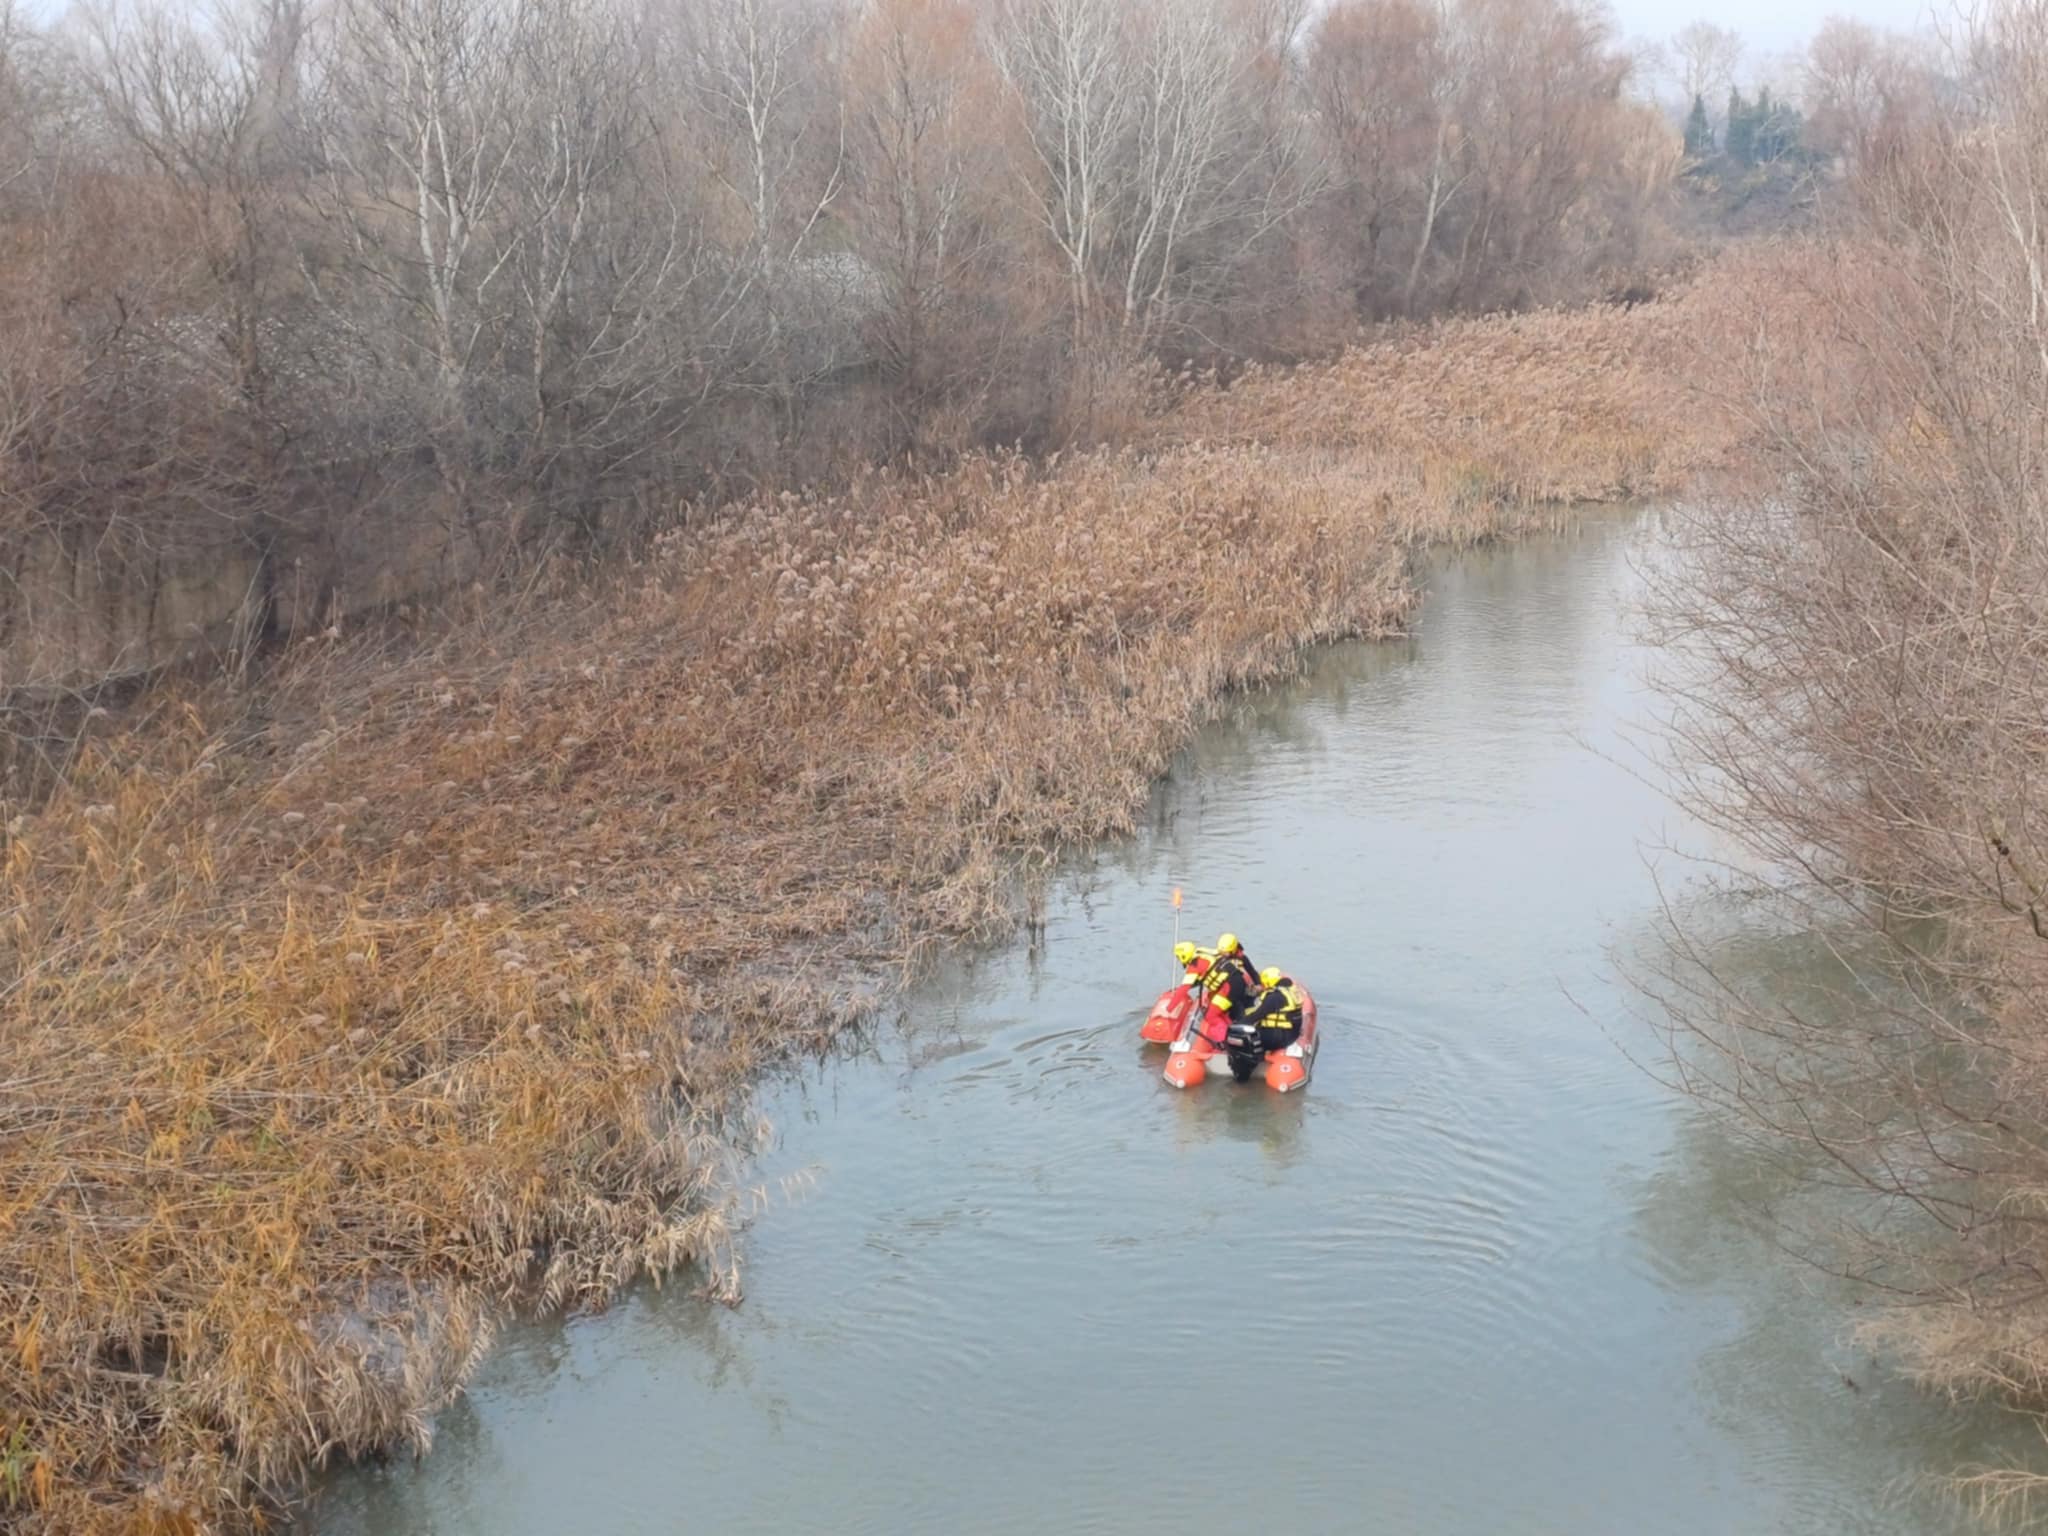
(1483, 1277)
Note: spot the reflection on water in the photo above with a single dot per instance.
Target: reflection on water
(1482, 1277)
(1788, 1379)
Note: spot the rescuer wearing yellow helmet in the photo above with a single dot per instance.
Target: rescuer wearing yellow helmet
(1232, 975)
(1276, 1013)
(1199, 964)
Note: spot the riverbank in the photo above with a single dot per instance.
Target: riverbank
(420, 984)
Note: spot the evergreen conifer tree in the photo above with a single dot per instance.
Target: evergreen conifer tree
(1699, 132)
(1741, 131)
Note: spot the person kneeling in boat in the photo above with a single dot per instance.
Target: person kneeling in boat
(1200, 976)
(1209, 973)
(1275, 1014)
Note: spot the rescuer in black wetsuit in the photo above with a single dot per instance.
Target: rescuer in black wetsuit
(1232, 975)
(1276, 1013)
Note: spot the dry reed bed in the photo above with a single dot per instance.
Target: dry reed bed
(1568, 405)
(345, 1018)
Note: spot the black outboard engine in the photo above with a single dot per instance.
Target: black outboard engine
(1242, 1048)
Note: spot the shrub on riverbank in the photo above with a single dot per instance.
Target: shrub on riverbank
(348, 1012)
(1866, 713)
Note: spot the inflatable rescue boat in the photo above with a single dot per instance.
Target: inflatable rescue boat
(1200, 1044)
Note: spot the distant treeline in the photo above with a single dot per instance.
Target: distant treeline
(1854, 90)
(346, 299)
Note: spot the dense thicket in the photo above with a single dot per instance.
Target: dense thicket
(347, 299)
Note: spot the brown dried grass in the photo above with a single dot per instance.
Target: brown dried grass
(1557, 406)
(345, 1019)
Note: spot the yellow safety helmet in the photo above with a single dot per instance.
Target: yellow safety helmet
(1270, 976)
(1184, 952)
(1228, 944)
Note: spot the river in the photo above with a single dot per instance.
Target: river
(1484, 1276)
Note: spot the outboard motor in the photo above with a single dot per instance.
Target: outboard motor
(1244, 1052)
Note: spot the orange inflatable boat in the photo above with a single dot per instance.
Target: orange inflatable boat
(1202, 1046)
(1169, 1016)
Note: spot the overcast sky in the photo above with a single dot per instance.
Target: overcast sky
(1771, 26)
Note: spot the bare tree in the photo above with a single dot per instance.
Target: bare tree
(1859, 83)
(167, 367)
(1704, 61)
(1542, 98)
(40, 134)
(609, 264)
(1157, 156)
(925, 159)
(419, 138)
(1236, 255)
(41, 374)
(1373, 76)
(1443, 179)
(206, 98)
(771, 137)
(1180, 126)
(1069, 64)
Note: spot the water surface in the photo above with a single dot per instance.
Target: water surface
(1483, 1277)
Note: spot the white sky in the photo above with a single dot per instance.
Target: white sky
(1771, 26)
